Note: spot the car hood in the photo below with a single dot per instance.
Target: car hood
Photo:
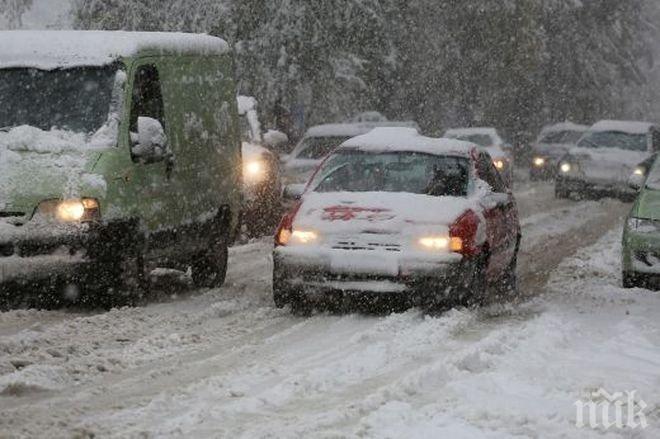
(379, 212)
(607, 164)
(28, 177)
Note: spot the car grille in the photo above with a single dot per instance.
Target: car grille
(366, 244)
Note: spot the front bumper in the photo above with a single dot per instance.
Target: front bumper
(32, 253)
(589, 188)
(641, 253)
(326, 273)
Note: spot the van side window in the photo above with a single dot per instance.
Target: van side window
(147, 96)
(489, 173)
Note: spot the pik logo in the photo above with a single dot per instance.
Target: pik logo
(606, 410)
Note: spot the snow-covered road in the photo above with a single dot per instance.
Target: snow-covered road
(226, 363)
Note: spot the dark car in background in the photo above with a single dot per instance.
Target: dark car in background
(552, 144)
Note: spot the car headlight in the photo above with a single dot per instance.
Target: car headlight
(297, 237)
(70, 211)
(499, 164)
(565, 167)
(440, 243)
(539, 162)
(254, 171)
(642, 225)
(639, 171)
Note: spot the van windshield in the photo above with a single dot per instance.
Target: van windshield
(75, 99)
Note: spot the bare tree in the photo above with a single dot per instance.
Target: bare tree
(13, 11)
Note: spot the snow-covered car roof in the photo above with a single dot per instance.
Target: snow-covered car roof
(353, 129)
(407, 140)
(488, 131)
(246, 104)
(630, 127)
(64, 49)
(563, 126)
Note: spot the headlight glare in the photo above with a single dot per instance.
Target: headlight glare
(539, 162)
(565, 167)
(254, 171)
(441, 243)
(78, 210)
(499, 164)
(303, 237)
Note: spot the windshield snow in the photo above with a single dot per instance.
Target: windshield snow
(76, 99)
(394, 172)
(615, 139)
(314, 148)
(478, 139)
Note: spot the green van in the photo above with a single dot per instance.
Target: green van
(119, 153)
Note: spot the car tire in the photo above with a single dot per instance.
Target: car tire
(630, 280)
(561, 193)
(508, 284)
(209, 269)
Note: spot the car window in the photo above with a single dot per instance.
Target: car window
(315, 148)
(562, 137)
(147, 96)
(489, 173)
(417, 173)
(615, 139)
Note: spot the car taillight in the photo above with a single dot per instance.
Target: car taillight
(465, 228)
(285, 229)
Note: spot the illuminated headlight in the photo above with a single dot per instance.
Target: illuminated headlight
(539, 162)
(639, 172)
(297, 237)
(565, 167)
(499, 164)
(641, 225)
(439, 243)
(70, 211)
(254, 171)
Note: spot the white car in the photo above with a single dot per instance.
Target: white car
(552, 144)
(396, 215)
(604, 159)
(321, 140)
(490, 139)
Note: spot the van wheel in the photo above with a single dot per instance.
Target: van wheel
(209, 269)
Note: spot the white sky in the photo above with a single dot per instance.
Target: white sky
(46, 14)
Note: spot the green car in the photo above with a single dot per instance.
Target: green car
(119, 153)
(641, 234)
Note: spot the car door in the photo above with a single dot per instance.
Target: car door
(501, 218)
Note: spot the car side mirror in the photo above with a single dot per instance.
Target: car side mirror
(636, 181)
(149, 144)
(293, 191)
(276, 139)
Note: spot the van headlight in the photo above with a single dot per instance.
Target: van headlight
(77, 210)
(566, 167)
(539, 162)
(254, 171)
(499, 164)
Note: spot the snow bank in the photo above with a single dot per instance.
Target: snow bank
(57, 49)
(33, 379)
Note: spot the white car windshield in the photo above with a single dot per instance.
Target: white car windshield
(76, 99)
(410, 172)
(615, 139)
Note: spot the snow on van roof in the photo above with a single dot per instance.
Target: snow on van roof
(353, 129)
(408, 140)
(630, 127)
(64, 49)
(564, 126)
(246, 104)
